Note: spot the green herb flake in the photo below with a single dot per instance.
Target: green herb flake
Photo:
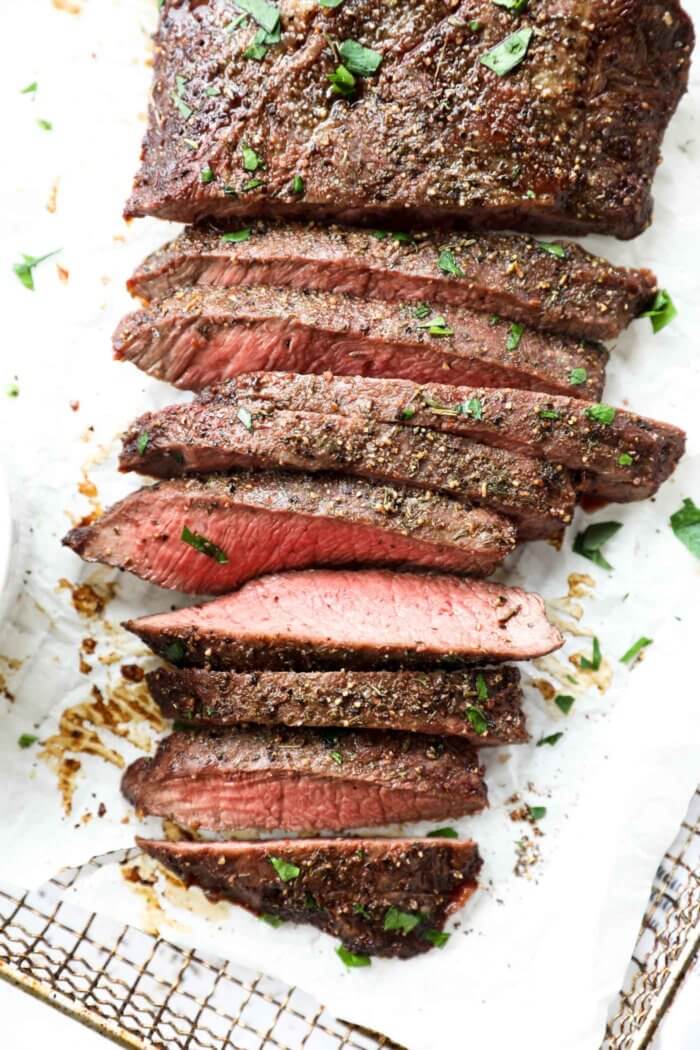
(174, 651)
(443, 833)
(203, 545)
(245, 418)
(564, 703)
(27, 740)
(45, 125)
(661, 312)
(625, 460)
(474, 408)
(24, 270)
(549, 413)
(635, 650)
(438, 938)
(257, 50)
(266, 15)
(589, 542)
(516, 6)
(235, 24)
(192, 143)
(330, 3)
(213, 91)
(552, 248)
(578, 376)
(30, 89)
(352, 959)
(549, 741)
(359, 909)
(236, 236)
(477, 720)
(12, 389)
(686, 526)
(515, 334)
(604, 414)
(402, 921)
(252, 184)
(251, 160)
(206, 175)
(360, 60)
(505, 56)
(337, 757)
(142, 442)
(285, 871)
(297, 184)
(437, 326)
(407, 412)
(342, 81)
(183, 109)
(481, 688)
(272, 920)
(448, 264)
(596, 658)
(421, 311)
(537, 812)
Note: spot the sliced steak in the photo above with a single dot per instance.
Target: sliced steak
(217, 433)
(564, 136)
(304, 780)
(349, 888)
(208, 535)
(324, 620)
(622, 460)
(512, 275)
(483, 705)
(200, 336)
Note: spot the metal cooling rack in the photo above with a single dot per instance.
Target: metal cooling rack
(142, 992)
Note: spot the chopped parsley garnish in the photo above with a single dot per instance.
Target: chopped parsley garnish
(509, 53)
(272, 920)
(330, 3)
(26, 740)
(235, 24)
(604, 414)
(474, 408)
(206, 175)
(537, 812)
(285, 871)
(474, 25)
(438, 938)
(437, 326)
(142, 442)
(297, 184)
(481, 688)
(443, 833)
(398, 236)
(515, 334)
(596, 658)
(476, 719)
(448, 264)
(183, 109)
(30, 89)
(549, 413)
(686, 526)
(266, 15)
(550, 740)
(564, 703)
(359, 909)
(589, 542)
(259, 46)
(213, 91)
(421, 311)
(174, 651)
(552, 248)
(634, 650)
(236, 236)
(252, 184)
(361, 61)
(625, 460)
(516, 6)
(45, 125)
(251, 160)
(337, 757)
(662, 311)
(245, 418)
(351, 958)
(408, 412)
(403, 921)
(203, 545)
(577, 376)
(12, 389)
(24, 270)
(342, 81)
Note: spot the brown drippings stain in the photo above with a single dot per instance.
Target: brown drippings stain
(86, 818)
(580, 585)
(600, 679)
(109, 658)
(132, 672)
(172, 832)
(63, 274)
(88, 645)
(144, 886)
(71, 7)
(89, 599)
(123, 710)
(5, 689)
(546, 689)
(83, 666)
(51, 203)
(11, 662)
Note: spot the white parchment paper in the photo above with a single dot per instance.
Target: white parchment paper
(536, 957)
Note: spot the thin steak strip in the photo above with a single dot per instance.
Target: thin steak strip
(621, 460)
(559, 288)
(324, 620)
(349, 888)
(216, 433)
(483, 705)
(200, 336)
(244, 525)
(271, 779)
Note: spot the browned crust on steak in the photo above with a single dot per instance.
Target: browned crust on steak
(344, 887)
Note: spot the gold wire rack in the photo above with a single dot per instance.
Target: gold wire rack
(142, 992)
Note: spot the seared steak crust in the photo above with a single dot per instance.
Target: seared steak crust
(566, 141)
(200, 336)
(367, 620)
(344, 886)
(414, 701)
(305, 780)
(511, 275)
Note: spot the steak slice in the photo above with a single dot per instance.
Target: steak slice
(512, 275)
(245, 525)
(200, 336)
(563, 138)
(623, 460)
(349, 888)
(483, 705)
(216, 433)
(324, 620)
(304, 780)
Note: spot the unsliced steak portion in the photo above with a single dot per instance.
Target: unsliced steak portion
(208, 535)
(560, 288)
(200, 336)
(324, 620)
(483, 705)
(217, 433)
(547, 119)
(350, 888)
(305, 780)
(625, 459)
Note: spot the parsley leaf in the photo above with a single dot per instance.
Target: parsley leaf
(330, 3)
(634, 650)
(285, 871)
(661, 312)
(443, 833)
(45, 125)
(438, 938)
(474, 408)
(359, 909)
(245, 418)
(30, 89)
(352, 958)
(421, 311)
(237, 236)
(266, 15)
(505, 56)
(564, 703)
(403, 921)
(537, 812)
(604, 414)
(142, 442)
(26, 740)
(251, 160)
(206, 175)
(477, 720)
(625, 460)
(577, 376)
(481, 688)
(515, 334)
(550, 740)
(358, 59)
(24, 269)
(516, 6)
(203, 545)
(342, 81)
(448, 264)
(437, 326)
(686, 526)
(297, 184)
(589, 542)
(552, 248)
(272, 920)
(174, 651)
(596, 658)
